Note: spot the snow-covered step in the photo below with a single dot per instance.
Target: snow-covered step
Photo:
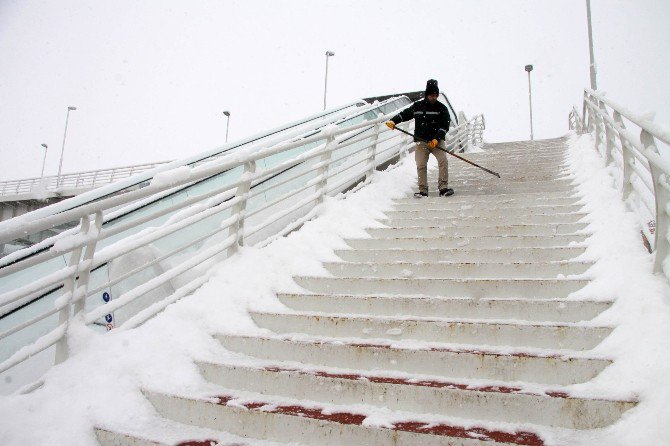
(107, 437)
(478, 231)
(430, 269)
(511, 309)
(464, 363)
(532, 198)
(475, 288)
(453, 331)
(310, 424)
(464, 214)
(497, 255)
(518, 206)
(396, 392)
(486, 242)
(446, 222)
(510, 188)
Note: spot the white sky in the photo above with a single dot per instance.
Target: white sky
(151, 79)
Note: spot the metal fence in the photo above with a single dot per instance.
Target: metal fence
(249, 197)
(631, 145)
(72, 181)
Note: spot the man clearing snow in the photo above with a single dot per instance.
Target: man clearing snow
(431, 126)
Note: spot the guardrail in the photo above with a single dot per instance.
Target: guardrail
(644, 175)
(72, 181)
(252, 197)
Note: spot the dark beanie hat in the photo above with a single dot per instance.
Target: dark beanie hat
(431, 87)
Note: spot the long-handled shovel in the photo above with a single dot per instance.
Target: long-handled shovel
(452, 154)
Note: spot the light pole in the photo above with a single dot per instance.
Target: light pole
(325, 88)
(60, 165)
(592, 66)
(529, 68)
(227, 114)
(44, 160)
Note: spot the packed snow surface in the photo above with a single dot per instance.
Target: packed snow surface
(100, 385)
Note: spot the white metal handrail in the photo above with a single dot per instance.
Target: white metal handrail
(644, 175)
(340, 158)
(78, 180)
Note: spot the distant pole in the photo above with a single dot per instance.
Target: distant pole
(529, 68)
(44, 160)
(60, 165)
(227, 114)
(592, 66)
(325, 88)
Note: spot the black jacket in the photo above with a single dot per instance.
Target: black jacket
(432, 120)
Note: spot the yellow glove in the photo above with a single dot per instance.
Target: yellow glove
(390, 124)
(432, 144)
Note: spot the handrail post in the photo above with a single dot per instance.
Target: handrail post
(322, 172)
(372, 153)
(242, 193)
(628, 160)
(598, 122)
(609, 136)
(661, 198)
(79, 297)
(65, 313)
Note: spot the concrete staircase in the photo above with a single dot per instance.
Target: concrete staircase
(450, 325)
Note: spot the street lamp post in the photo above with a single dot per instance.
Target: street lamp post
(44, 160)
(528, 69)
(227, 114)
(60, 165)
(592, 66)
(325, 88)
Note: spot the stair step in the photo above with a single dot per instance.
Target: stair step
(487, 242)
(520, 309)
(478, 231)
(475, 288)
(497, 255)
(314, 425)
(517, 200)
(460, 399)
(483, 221)
(559, 369)
(444, 270)
(451, 331)
(112, 438)
(464, 211)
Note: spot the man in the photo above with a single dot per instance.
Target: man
(431, 126)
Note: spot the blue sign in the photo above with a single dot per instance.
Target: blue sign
(109, 318)
(106, 297)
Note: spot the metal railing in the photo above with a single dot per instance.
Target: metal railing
(644, 176)
(252, 197)
(73, 181)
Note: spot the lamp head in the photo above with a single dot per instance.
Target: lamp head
(529, 68)
(72, 108)
(227, 113)
(44, 145)
(329, 53)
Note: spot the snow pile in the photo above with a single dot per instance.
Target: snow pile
(641, 314)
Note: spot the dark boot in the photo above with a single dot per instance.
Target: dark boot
(421, 194)
(446, 192)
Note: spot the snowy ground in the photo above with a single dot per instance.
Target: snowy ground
(100, 384)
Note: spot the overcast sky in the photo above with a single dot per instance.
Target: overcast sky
(152, 78)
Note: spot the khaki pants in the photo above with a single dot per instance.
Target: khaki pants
(421, 157)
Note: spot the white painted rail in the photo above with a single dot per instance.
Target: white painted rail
(630, 143)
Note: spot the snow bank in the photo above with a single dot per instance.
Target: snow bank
(623, 272)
